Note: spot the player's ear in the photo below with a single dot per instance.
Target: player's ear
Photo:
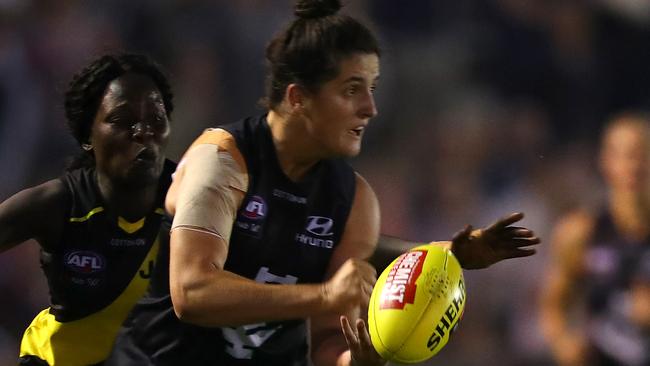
(295, 95)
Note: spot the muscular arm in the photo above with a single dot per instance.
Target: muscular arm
(358, 242)
(205, 294)
(474, 249)
(34, 213)
(569, 240)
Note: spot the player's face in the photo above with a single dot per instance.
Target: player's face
(130, 131)
(625, 158)
(339, 113)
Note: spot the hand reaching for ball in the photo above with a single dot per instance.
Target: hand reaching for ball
(362, 352)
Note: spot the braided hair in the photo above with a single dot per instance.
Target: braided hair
(86, 89)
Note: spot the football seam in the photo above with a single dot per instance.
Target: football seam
(374, 318)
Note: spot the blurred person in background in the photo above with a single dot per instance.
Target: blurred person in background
(272, 227)
(596, 256)
(98, 224)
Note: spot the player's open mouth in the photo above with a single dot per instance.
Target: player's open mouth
(146, 155)
(357, 131)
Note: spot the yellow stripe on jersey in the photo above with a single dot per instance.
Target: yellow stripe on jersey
(88, 215)
(130, 227)
(89, 340)
(160, 211)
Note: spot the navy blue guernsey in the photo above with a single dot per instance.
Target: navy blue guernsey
(610, 265)
(285, 233)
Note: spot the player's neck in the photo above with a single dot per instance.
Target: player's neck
(295, 153)
(131, 203)
(631, 213)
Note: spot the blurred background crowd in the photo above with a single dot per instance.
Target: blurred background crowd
(485, 107)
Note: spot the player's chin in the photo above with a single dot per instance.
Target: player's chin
(350, 149)
(143, 175)
(349, 153)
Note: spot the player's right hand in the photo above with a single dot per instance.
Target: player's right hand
(362, 352)
(351, 286)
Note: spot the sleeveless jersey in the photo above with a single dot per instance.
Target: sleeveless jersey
(284, 233)
(610, 264)
(99, 269)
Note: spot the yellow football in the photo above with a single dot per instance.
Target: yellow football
(416, 304)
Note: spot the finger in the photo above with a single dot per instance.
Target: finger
(525, 242)
(364, 337)
(367, 289)
(365, 266)
(463, 234)
(348, 333)
(369, 278)
(506, 221)
(519, 253)
(516, 231)
(518, 242)
(367, 271)
(365, 299)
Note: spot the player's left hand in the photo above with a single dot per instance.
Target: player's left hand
(361, 349)
(483, 247)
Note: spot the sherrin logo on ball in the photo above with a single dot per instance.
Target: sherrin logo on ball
(416, 304)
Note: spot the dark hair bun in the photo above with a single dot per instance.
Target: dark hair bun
(308, 9)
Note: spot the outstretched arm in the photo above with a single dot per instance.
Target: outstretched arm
(482, 248)
(474, 249)
(568, 343)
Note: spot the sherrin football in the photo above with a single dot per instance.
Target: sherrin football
(416, 304)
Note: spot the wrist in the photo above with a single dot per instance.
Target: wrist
(444, 244)
(324, 294)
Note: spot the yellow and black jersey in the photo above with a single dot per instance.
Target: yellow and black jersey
(99, 269)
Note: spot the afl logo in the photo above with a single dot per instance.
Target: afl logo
(84, 262)
(255, 208)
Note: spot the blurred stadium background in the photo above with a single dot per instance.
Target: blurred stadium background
(486, 107)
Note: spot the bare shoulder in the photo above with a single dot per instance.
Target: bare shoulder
(576, 226)
(570, 237)
(50, 196)
(53, 192)
(34, 213)
(213, 157)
